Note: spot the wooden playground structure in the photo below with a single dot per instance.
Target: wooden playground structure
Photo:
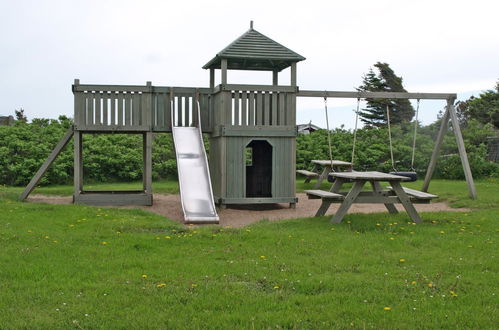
(251, 129)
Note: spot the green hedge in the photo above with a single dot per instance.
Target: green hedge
(118, 157)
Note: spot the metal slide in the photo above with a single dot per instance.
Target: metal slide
(194, 176)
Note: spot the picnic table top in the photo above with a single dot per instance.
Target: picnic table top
(369, 176)
(328, 162)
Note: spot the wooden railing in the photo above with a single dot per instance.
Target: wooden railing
(139, 108)
(254, 105)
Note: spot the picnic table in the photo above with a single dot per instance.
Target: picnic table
(395, 194)
(322, 168)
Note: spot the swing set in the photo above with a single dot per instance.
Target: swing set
(411, 174)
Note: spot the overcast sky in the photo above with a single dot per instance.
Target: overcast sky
(436, 46)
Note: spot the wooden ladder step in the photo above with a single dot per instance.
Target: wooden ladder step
(308, 173)
(416, 193)
(324, 195)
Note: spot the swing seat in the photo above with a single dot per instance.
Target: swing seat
(413, 176)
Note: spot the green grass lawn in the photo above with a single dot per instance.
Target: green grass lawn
(74, 266)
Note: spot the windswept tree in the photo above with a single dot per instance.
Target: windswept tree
(384, 79)
(484, 108)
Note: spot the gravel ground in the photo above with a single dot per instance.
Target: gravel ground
(242, 215)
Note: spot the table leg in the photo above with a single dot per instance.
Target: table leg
(335, 188)
(404, 199)
(349, 199)
(324, 175)
(315, 169)
(377, 190)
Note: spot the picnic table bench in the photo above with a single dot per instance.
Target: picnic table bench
(394, 195)
(321, 170)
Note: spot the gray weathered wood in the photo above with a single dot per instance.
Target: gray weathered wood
(406, 202)
(416, 193)
(275, 78)
(316, 193)
(309, 174)
(370, 176)
(223, 68)
(376, 95)
(147, 154)
(315, 170)
(326, 162)
(349, 199)
(378, 191)
(293, 74)
(46, 165)
(78, 163)
(212, 78)
(462, 150)
(113, 198)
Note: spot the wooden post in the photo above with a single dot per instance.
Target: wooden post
(275, 78)
(45, 166)
(78, 163)
(293, 74)
(436, 150)
(462, 149)
(147, 170)
(223, 67)
(212, 78)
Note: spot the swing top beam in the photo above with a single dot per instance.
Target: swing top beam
(378, 95)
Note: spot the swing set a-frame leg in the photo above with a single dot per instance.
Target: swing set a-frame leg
(450, 113)
(45, 166)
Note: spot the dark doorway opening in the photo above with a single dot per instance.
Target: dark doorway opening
(258, 169)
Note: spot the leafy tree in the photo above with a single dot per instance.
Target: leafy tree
(20, 116)
(484, 108)
(385, 80)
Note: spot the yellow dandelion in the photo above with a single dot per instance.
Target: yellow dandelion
(263, 257)
(378, 224)
(104, 243)
(430, 285)
(401, 260)
(144, 276)
(442, 232)
(453, 293)
(161, 285)
(276, 287)
(387, 308)
(193, 285)
(30, 231)
(413, 282)
(46, 237)
(392, 238)
(157, 238)
(167, 237)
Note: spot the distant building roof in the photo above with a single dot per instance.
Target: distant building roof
(307, 128)
(255, 51)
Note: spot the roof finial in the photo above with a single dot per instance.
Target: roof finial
(251, 25)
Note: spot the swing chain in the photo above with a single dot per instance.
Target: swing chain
(328, 131)
(414, 138)
(390, 135)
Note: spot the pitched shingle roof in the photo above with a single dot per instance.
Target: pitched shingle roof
(255, 51)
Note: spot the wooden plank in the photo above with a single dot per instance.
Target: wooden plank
(121, 100)
(462, 150)
(326, 162)
(235, 109)
(167, 110)
(78, 163)
(309, 174)
(128, 109)
(113, 128)
(406, 202)
(274, 111)
(369, 175)
(114, 198)
(258, 130)
(315, 170)
(105, 103)
(266, 109)
(223, 69)
(259, 109)
(46, 165)
(98, 105)
(244, 107)
(349, 199)
(256, 88)
(282, 109)
(187, 111)
(416, 193)
(90, 109)
(179, 112)
(323, 194)
(112, 108)
(436, 150)
(79, 104)
(293, 74)
(135, 117)
(110, 88)
(376, 95)
(377, 190)
(251, 109)
(275, 78)
(147, 170)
